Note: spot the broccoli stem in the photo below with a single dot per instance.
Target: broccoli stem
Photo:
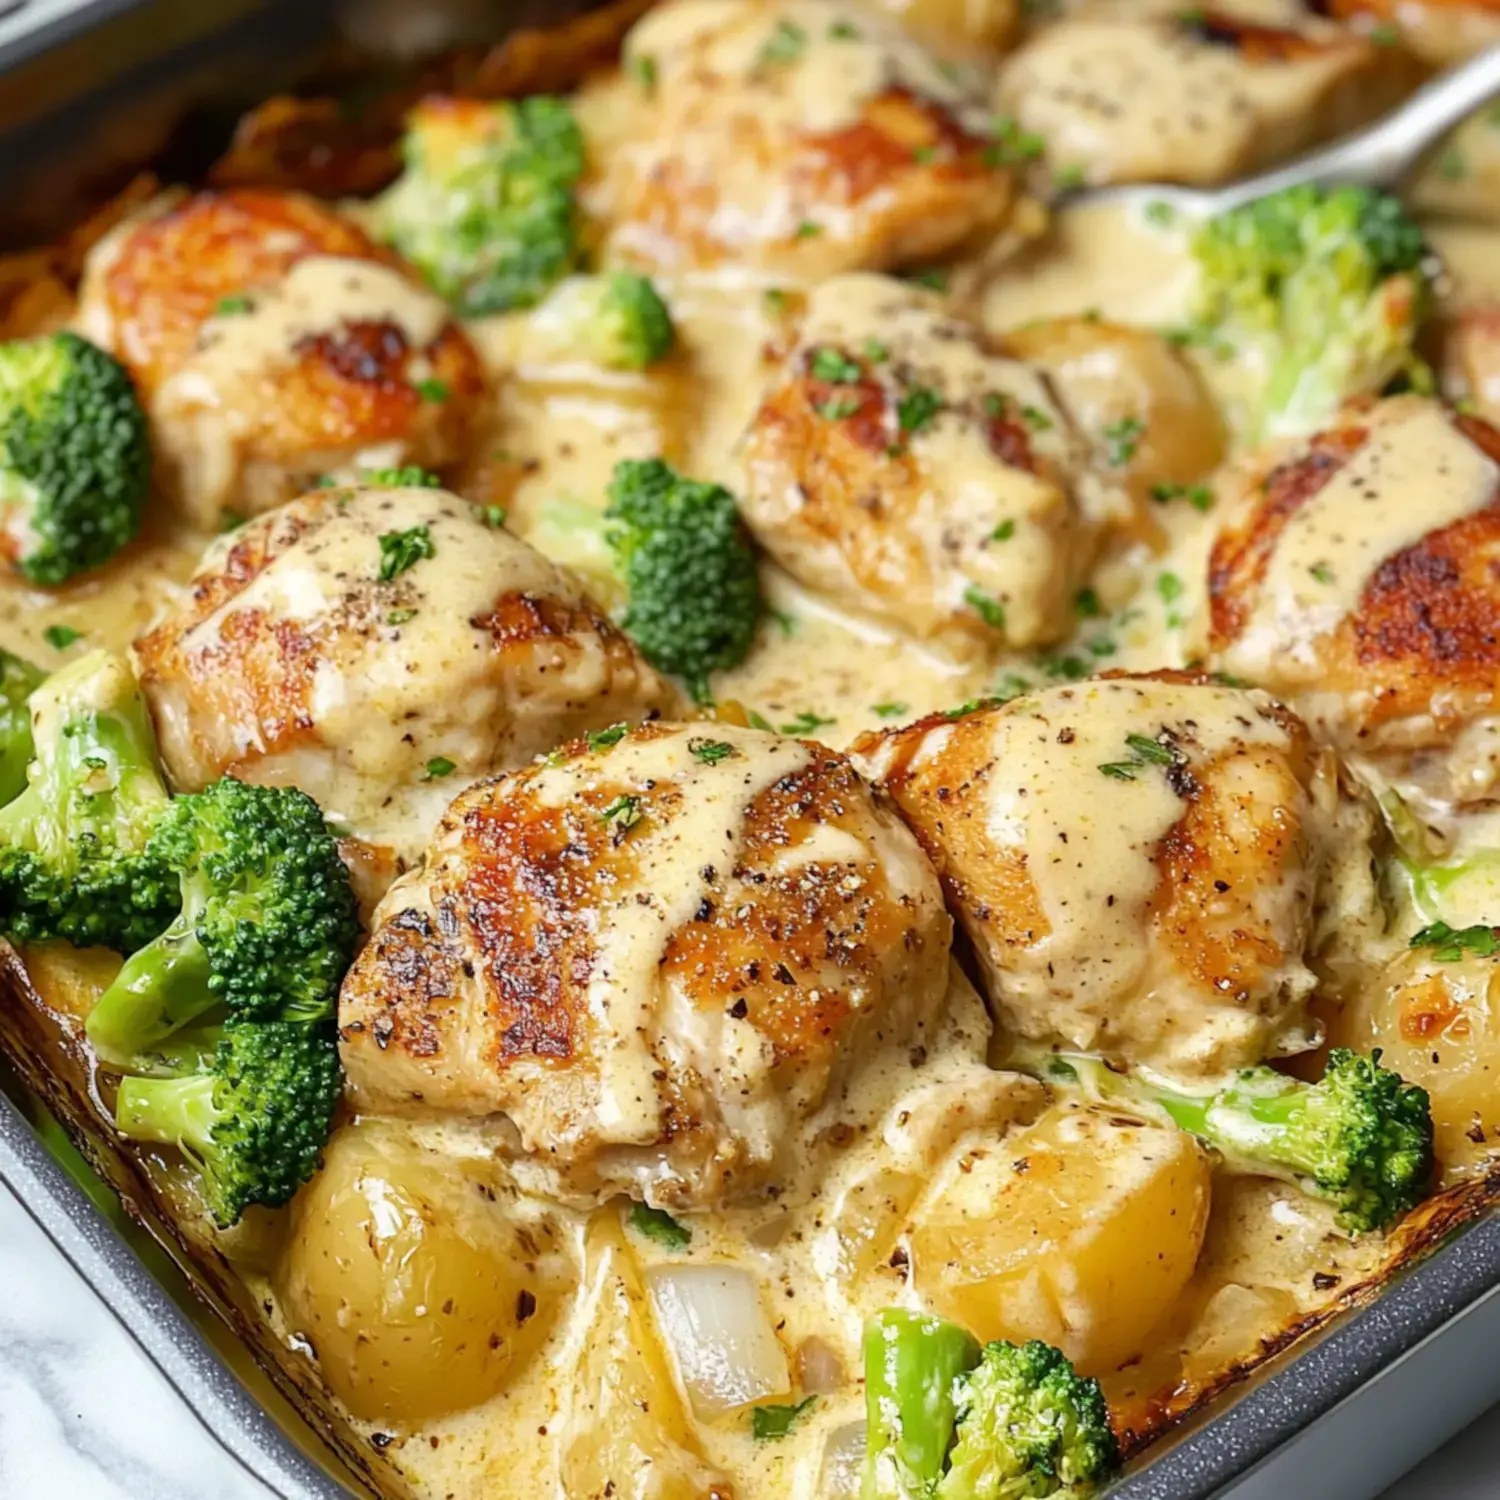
(172, 1111)
(159, 989)
(912, 1364)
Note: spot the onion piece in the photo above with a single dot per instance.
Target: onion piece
(843, 1463)
(720, 1340)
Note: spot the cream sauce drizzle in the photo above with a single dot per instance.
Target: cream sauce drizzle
(1415, 474)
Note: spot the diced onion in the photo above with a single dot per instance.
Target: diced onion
(721, 1342)
(820, 1371)
(843, 1463)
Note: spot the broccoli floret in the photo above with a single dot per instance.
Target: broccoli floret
(1028, 1425)
(617, 320)
(252, 1114)
(486, 208)
(693, 591)
(75, 460)
(18, 680)
(266, 925)
(75, 857)
(947, 1420)
(1361, 1138)
(1317, 290)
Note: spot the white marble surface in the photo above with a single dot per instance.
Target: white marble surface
(84, 1416)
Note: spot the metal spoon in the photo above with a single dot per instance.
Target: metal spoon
(1378, 157)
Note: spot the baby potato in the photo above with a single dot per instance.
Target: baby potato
(629, 1438)
(1141, 404)
(1082, 1231)
(1437, 1024)
(421, 1292)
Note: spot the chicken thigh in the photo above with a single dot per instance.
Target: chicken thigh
(660, 959)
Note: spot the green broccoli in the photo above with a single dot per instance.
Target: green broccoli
(486, 208)
(75, 459)
(1319, 291)
(18, 680)
(617, 320)
(693, 590)
(1361, 1138)
(266, 927)
(75, 858)
(251, 1111)
(947, 1420)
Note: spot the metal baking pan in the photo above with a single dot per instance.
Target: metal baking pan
(92, 91)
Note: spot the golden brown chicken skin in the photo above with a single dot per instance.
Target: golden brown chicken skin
(658, 959)
(1356, 577)
(272, 340)
(380, 649)
(905, 468)
(1139, 862)
(1149, 92)
(804, 135)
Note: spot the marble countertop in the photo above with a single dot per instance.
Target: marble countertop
(85, 1416)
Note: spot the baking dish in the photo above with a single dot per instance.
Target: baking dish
(92, 94)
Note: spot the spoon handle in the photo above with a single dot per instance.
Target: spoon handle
(1381, 156)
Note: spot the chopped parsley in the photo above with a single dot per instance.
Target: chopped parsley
(623, 813)
(602, 739)
(1159, 211)
(935, 279)
(973, 705)
(431, 390)
(438, 767)
(834, 366)
(1169, 586)
(986, 606)
(1121, 440)
(876, 352)
(1120, 770)
(839, 407)
(401, 550)
(1004, 531)
(494, 516)
(1086, 602)
(1451, 943)
(808, 229)
(1036, 419)
(1322, 572)
(1011, 145)
(759, 721)
(805, 723)
(657, 1224)
(924, 154)
(917, 408)
(1144, 751)
(890, 710)
(60, 637)
(1068, 178)
(400, 616)
(710, 752)
(1199, 496)
(774, 300)
(844, 31)
(768, 1423)
(1385, 35)
(233, 306)
(232, 520)
(784, 45)
(643, 69)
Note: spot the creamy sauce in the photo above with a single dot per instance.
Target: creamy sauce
(1415, 474)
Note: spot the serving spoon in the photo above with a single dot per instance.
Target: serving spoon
(1377, 157)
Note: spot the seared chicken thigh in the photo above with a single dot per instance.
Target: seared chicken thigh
(272, 340)
(655, 961)
(380, 649)
(1192, 95)
(900, 466)
(1139, 862)
(1357, 578)
(805, 135)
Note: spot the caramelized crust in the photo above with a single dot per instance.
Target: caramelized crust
(803, 135)
(476, 657)
(1404, 657)
(1158, 903)
(273, 340)
(658, 959)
